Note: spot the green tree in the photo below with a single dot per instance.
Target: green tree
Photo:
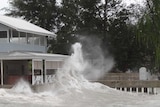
(123, 44)
(76, 16)
(119, 36)
(39, 12)
(68, 20)
(149, 29)
(51, 17)
(86, 17)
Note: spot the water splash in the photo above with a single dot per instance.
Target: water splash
(71, 76)
(22, 86)
(73, 67)
(71, 89)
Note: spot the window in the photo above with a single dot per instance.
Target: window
(30, 38)
(36, 40)
(39, 40)
(22, 38)
(14, 38)
(25, 38)
(42, 41)
(3, 36)
(14, 34)
(51, 71)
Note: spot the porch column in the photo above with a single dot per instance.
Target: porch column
(32, 72)
(1, 72)
(8, 38)
(58, 65)
(44, 71)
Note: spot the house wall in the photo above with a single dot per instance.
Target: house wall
(35, 71)
(7, 46)
(52, 67)
(3, 28)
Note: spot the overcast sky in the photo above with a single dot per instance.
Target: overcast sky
(128, 2)
(3, 3)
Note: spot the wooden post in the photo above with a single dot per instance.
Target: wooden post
(1, 72)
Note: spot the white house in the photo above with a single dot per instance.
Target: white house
(23, 53)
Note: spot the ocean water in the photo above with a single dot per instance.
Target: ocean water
(71, 89)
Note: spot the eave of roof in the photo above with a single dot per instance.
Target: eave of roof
(32, 55)
(24, 26)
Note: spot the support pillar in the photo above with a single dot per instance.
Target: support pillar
(32, 72)
(2, 72)
(44, 71)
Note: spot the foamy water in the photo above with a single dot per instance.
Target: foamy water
(71, 89)
(90, 95)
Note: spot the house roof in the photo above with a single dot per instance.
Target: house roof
(24, 26)
(32, 55)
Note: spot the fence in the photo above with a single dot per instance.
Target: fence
(121, 76)
(130, 82)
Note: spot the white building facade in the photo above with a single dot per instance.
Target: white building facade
(23, 53)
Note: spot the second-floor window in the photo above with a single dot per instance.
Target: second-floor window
(26, 38)
(3, 36)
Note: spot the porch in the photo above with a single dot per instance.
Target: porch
(36, 68)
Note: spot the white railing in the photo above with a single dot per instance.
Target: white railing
(49, 78)
(8, 47)
(138, 90)
(37, 80)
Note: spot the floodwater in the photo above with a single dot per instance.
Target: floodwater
(85, 94)
(71, 89)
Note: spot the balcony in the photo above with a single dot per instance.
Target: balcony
(19, 41)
